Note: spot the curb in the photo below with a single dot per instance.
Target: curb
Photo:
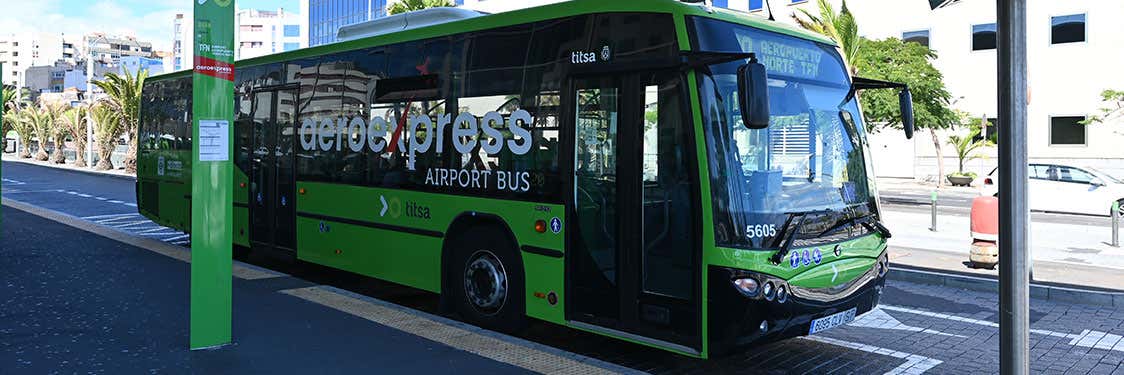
(92, 173)
(1042, 291)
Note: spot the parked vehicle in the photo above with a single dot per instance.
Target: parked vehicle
(1068, 189)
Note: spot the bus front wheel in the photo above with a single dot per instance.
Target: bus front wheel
(486, 280)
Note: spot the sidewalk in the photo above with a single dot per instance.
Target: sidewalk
(911, 191)
(1078, 255)
(69, 166)
(76, 301)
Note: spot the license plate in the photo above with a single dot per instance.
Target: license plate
(831, 321)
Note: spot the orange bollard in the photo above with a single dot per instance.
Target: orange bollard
(985, 232)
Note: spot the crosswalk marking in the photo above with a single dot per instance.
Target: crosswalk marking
(169, 239)
(113, 219)
(108, 216)
(130, 224)
(158, 234)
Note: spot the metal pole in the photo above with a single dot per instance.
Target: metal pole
(933, 210)
(90, 100)
(1115, 224)
(1014, 216)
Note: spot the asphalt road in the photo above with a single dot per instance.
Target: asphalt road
(918, 329)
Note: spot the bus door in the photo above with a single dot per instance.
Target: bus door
(272, 179)
(633, 255)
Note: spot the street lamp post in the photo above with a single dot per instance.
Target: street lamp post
(90, 101)
(1014, 216)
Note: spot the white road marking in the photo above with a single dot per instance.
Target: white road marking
(131, 204)
(1099, 340)
(159, 233)
(176, 238)
(914, 364)
(84, 195)
(130, 224)
(101, 198)
(115, 201)
(156, 229)
(184, 242)
(880, 319)
(13, 182)
(113, 219)
(106, 216)
(971, 321)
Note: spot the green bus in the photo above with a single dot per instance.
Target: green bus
(678, 176)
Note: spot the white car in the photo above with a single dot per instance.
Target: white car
(1063, 188)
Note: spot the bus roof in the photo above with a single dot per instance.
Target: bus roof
(545, 12)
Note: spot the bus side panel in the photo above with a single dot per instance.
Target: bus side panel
(346, 227)
(241, 216)
(403, 258)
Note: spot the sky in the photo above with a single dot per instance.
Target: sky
(148, 20)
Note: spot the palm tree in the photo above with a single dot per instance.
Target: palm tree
(74, 124)
(8, 106)
(124, 96)
(840, 27)
(58, 131)
(966, 146)
(42, 118)
(108, 128)
(25, 129)
(403, 6)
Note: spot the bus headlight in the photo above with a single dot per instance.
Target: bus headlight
(782, 294)
(770, 291)
(748, 286)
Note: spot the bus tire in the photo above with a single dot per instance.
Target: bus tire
(486, 280)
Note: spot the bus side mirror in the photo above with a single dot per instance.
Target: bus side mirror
(753, 95)
(905, 102)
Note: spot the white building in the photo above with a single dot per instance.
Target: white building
(256, 33)
(1072, 48)
(20, 51)
(262, 32)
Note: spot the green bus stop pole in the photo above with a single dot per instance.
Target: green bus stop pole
(211, 173)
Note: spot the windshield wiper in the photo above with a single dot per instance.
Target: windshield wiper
(869, 222)
(788, 235)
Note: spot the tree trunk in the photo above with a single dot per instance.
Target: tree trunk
(42, 155)
(25, 148)
(940, 157)
(105, 153)
(59, 156)
(131, 155)
(79, 152)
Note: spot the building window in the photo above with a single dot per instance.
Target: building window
(920, 37)
(797, 2)
(291, 46)
(1067, 131)
(1067, 29)
(756, 5)
(983, 37)
(292, 30)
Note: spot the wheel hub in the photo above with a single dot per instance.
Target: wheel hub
(485, 282)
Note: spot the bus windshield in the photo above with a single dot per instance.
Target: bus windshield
(810, 161)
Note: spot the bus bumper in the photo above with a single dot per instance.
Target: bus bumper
(737, 320)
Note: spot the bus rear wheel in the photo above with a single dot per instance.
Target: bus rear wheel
(486, 280)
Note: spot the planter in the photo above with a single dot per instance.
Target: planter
(961, 180)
